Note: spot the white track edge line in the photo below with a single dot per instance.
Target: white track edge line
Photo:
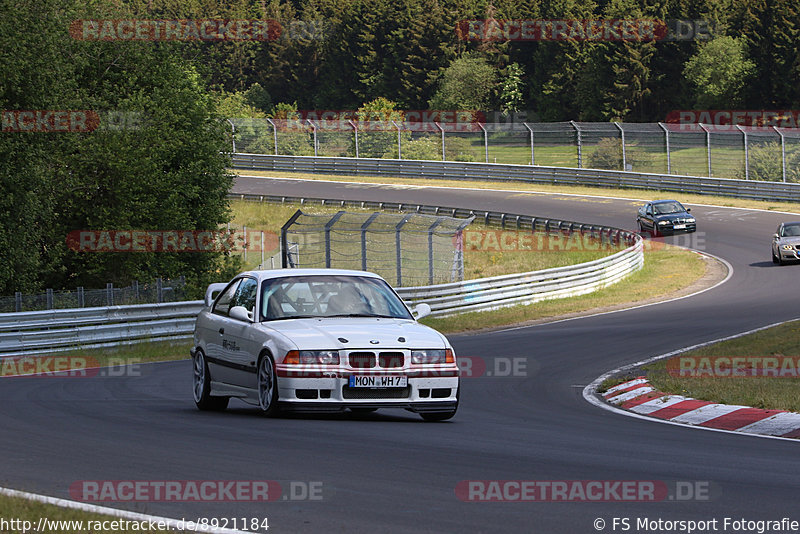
(590, 391)
(114, 512)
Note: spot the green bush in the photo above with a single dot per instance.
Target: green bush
(766, 164)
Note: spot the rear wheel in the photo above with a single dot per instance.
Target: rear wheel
(202, 386)
(267, 386)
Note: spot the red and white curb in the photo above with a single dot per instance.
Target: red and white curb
(640, 397)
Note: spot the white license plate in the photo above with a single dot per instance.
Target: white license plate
(679, 226)
(378, 381)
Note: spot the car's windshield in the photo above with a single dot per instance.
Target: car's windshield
(665, 208)
(791, 230)
(295, 297)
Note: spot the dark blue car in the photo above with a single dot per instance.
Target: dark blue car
(662, 217)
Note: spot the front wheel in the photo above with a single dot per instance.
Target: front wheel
(267, 387)
(202, 386)
(775, 258)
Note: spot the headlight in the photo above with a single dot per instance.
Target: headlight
(786, 247)
(663, 222)
(311, 357)
(432, 356)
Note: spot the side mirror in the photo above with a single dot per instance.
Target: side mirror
(240, 313)
(421, 310)
(688, 210)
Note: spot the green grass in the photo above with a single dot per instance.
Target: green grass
(17, 508)
(656, 279)
(759, 392)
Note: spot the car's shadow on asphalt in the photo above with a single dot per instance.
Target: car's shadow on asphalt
(764, 264)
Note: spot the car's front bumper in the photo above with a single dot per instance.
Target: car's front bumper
(670, 228)
(789, 255)
(425, 393)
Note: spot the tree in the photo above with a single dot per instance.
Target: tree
(511, 90)
(467, 84)
(719, 72)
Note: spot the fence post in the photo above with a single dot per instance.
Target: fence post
(398, 255)
(622, 138)
(355, 131)
(49, 297)
(328, 226)
(233, 135)
(579, 143)
(262, 250)
(485, 142)
(364, 239)
(431, 229)
(666, 139)
(136, 290)
(244, 245)
(314, 128)
(110, 294)
(286, 261)
(783, 153)
(708, 146)
(81, 298)
(159, 290)
(17, 301)
(533, 160)
(274, 135)
(399, 149)
(746, 154)
(442, 130)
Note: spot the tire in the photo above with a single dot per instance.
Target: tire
(201, 382)
(432, 417)
(654, 233)
(775, 258)
(267, 384)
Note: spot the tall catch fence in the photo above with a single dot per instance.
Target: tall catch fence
(766, 153)
(407, 249)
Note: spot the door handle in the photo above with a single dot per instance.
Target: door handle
(221, 330)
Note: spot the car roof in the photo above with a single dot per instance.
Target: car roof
(662, 201)
(279, 273)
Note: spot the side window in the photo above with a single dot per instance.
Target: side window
(649, 209)
(246, 294)
(223, 303)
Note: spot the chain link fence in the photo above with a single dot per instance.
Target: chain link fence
(743, 152)
(158, 291)
(407, 249)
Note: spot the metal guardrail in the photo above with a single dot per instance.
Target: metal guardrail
(58, 330)
(453, 170)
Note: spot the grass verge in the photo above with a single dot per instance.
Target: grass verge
(665, 272)
(543, 188)
(26, 515)
(768, 392)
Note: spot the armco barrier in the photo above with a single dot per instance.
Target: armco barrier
(57, 330)
(454, 170)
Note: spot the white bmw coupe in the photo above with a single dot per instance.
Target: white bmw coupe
(320, 340)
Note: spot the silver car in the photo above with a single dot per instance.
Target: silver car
(786, 243)
(320, 340)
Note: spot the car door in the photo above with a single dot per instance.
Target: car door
(649, 217)
(241, 338)
(218, 320)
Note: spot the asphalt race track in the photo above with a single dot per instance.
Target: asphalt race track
(391, 472)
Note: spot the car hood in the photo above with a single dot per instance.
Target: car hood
(360, 333)
(789, 240)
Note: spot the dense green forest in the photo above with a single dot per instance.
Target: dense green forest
(168, 171)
